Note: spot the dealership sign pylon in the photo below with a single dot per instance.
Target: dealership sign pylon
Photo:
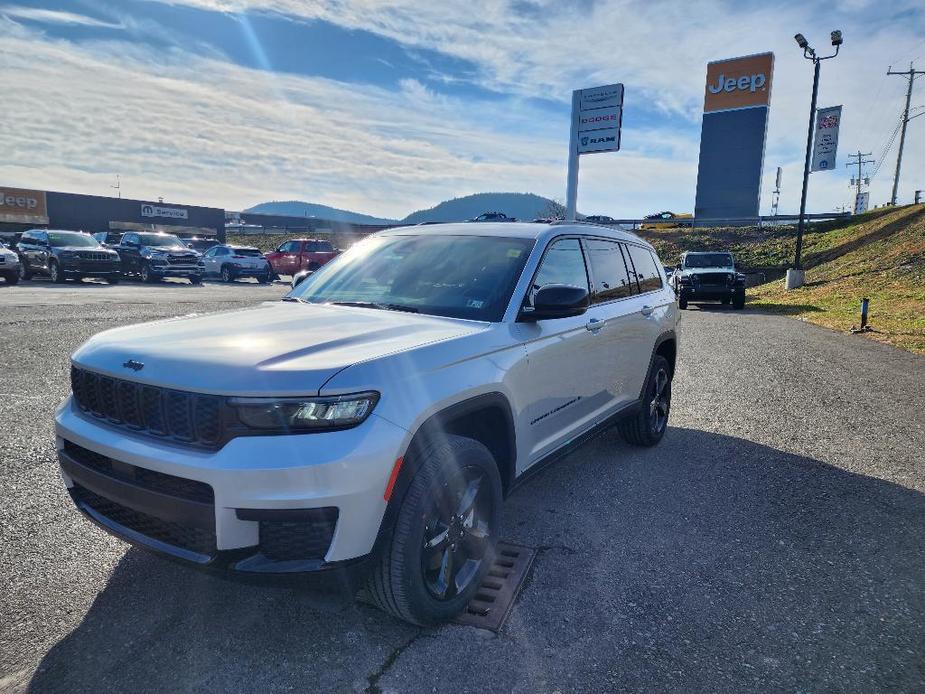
(597, 114)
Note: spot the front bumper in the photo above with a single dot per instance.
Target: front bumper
(91, 268)
(167, 270)
(709, 292)
(258, 505)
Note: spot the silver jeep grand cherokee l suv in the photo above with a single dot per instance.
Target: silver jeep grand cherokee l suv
(374, 419)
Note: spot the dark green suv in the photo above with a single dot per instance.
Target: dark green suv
(64, 255)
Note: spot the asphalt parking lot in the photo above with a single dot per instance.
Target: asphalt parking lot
(773, 541)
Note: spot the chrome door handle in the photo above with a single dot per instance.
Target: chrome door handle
(646, 310)
(594, 325)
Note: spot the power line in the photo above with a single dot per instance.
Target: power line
(886, 147)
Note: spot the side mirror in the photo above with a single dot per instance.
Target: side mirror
(557, 301)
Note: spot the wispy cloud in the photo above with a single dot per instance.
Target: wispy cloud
(55, 17)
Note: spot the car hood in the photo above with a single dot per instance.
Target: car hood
(85, 249)
(277, 348)
(171, 251)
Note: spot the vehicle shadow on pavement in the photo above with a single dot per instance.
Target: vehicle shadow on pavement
(708, 563)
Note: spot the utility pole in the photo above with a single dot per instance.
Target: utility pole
(859, 180)
(909, 75)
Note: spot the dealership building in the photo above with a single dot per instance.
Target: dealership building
(22, 209)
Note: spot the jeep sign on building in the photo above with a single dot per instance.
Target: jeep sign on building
(737, 96)
(18, 205)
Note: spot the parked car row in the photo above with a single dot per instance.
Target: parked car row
(71, 255)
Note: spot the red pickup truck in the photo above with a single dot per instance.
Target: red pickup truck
(301, 254)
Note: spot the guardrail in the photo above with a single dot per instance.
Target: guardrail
(763, 220)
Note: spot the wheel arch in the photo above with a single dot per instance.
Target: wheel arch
(486, 418)
(666, 345)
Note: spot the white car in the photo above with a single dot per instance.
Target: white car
(373, 419)
(9, 265)
(231, 262)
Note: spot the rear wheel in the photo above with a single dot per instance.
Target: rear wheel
(647, 427)
(682, 302)
(264, 279)
(443, 540)
(24, 273)
(726, 301)
(227, 274)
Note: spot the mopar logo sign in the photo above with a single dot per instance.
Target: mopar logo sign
(158, 211)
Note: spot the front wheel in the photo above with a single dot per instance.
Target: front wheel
(195, 280)
(443, 540)
(24, 273)
(682, 303)
(647, 427)
(55, 273)
(113, 279)
(738, 301)
(227, 275)
(12, 277)
(147, 275)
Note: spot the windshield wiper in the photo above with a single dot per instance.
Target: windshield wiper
(381, 307)
(294, 299)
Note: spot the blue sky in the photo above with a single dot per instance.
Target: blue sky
(390, 107)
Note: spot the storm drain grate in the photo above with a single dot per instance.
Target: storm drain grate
(492, 604)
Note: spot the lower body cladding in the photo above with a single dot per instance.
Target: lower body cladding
(258, 505)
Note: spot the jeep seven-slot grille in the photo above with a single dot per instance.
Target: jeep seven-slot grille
(178, 415)
(180, 487)
(714, 278)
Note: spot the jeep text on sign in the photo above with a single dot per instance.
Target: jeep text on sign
(21, 202)
(738, 82)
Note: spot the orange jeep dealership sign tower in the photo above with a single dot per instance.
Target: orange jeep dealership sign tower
(737, 97)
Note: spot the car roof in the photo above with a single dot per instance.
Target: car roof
(540, 231)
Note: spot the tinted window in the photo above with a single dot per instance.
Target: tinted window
(248, 252)
(209, 253)
(708, 260)
(130, 238)
(608, 268)
(64, 239)
(647, 272)
(289, 247)
(563, 263)
(324, 247)
(457, 276)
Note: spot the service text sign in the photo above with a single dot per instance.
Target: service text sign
(825, 142)
(158, 211)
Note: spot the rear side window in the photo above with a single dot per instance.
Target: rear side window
(646, 270)
(324, 247)
(562, 264)
(608, 269)
(248, 252)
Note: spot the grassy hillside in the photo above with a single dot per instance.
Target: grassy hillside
(880, 256)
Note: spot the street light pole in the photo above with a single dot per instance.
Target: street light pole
(809, 151)
(795, 275)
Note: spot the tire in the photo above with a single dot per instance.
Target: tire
(738, 301)
(147, 275)
(196, 280)
(411, 572)
(114, 279)
(24, 273)
(314, 265)
(54, 272)
(726, 301)
(682, 303)
(647, 427)
(264, 279)
(12, 277)
(227, 274)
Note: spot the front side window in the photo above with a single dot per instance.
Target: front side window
(130, 239)
(470, 277)
(608, 268)
(563, 263)
(646, 271)
(289, 247)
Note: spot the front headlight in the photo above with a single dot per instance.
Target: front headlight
(304, 414)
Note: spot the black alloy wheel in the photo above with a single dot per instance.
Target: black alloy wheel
(456, 537)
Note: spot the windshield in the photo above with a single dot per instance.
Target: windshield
(708, 260)
(161, 241)
(455, 276)
(62, 239)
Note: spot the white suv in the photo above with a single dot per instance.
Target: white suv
(374, 419)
